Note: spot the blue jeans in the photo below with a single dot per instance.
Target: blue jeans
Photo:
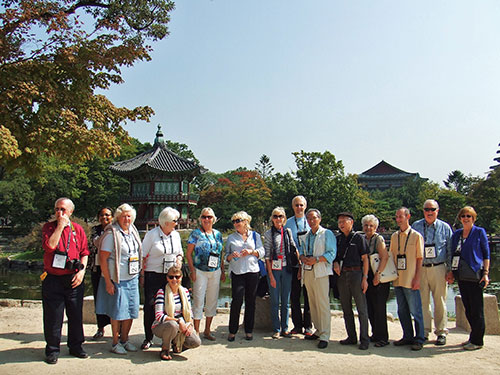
(280, 293)
(409, 302)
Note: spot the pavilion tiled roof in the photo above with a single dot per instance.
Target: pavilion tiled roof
(159, 158)
(384, 168)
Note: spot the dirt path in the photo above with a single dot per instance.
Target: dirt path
(22, 351)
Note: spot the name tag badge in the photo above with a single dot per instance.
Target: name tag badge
(133, 265)
(277, 264)
(59, 261)
(213, 260)
(454, 262)
(168, 261)
(301, 236)
(401, 262)
(430, 251)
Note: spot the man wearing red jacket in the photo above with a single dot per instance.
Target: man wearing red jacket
(64, 259)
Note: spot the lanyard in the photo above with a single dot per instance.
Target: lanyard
(425, 233)
(71, 229)
(406, 243)
(297, 225)
(130, 250)
(348, 245)
(208, 239)
(281, 242)
(171, 244)
(309, 251)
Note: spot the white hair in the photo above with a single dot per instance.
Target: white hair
(299, 197)
(168, 215)
(70, 202)
(125, 207)
(431, 201)
(370, 219)
(279, 210)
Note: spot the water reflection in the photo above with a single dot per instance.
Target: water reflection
(27, 285)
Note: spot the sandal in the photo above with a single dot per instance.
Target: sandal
(381, 344)
(165, 355)
(146, 344)
(209, 336)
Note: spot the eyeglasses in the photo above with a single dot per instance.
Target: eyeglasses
(175, 221)
(207, 217)
(467, 216)
(427, 209)
(236, 221)
(299, 205)
(278, 216)
(171, 277)
(62, 209)
(102, 215)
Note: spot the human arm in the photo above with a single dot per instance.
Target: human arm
(383, 255)
(415, 283)
(189, 257)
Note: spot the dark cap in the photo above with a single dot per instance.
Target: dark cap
(347, 214)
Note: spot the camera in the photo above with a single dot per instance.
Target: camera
(74, 265)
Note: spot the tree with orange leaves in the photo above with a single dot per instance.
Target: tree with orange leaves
(54, 56)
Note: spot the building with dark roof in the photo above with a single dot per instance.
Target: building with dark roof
(159, 178)
(384, 176)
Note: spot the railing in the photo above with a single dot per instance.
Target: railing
(164, 198)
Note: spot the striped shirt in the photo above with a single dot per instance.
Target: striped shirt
(160, 314)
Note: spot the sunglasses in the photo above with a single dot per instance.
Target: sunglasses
(467, 216)
(299, 205)
(427, 209)
(171, 277)
(278, 216)
(236, 221)
(207, 217)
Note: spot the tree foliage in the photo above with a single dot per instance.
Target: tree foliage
(485, 197)
(264, 167)
(54, 55)
(239, 191)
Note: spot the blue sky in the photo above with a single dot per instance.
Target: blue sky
(414, 83)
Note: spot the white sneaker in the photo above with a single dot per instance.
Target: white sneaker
(129, 347)
(118, 349)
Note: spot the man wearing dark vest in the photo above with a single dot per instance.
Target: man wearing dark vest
(351, 264)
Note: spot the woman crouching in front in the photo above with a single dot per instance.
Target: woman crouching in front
(173, 322)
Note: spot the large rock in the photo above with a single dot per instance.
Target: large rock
(491, 318)
(263, 314)
(89, 310)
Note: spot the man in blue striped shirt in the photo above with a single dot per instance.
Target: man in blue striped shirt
(437, 237)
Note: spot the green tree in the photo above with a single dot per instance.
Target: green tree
(322, 180)
(264, 167)
(485, 198)
(54, 56)
(459, 182)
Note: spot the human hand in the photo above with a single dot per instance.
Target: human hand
(376, 279)
(78, 278)
(272, 281)
(110, 287)
(336, 268)
(364, 285)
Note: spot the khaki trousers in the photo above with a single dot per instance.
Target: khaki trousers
(319, 303)
(433, 280)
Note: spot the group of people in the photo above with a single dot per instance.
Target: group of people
(299, 257)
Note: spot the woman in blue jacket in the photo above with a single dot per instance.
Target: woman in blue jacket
(470, 264)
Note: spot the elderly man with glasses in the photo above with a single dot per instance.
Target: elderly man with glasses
(437, 247)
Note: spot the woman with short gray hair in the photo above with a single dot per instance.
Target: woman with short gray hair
(377, 293)
(161, 249)
(120, 254)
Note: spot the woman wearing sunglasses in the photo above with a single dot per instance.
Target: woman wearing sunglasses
(243, 250)
(204, 256)
(161, 249)
(470, 264)
(173, 317)
(281, 256)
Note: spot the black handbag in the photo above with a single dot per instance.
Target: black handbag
(466, 273)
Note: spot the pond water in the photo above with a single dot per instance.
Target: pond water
(27, 285)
